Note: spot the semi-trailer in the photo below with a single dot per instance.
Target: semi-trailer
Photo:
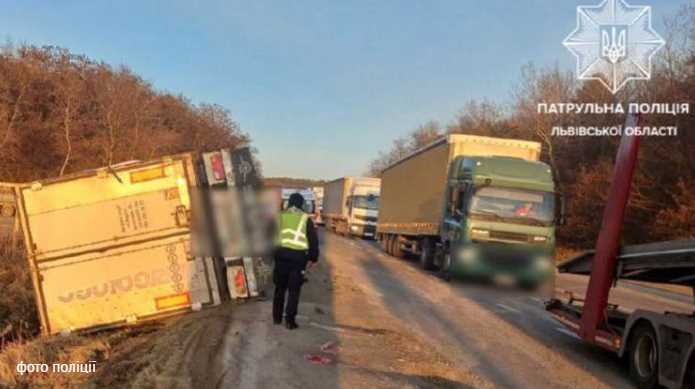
(472, 206)
(659, 346)
(351, 206)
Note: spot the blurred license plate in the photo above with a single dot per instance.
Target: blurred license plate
(504, 280)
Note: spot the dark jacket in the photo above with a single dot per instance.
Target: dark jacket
(300, 257)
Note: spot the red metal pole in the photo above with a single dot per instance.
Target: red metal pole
(608, 243)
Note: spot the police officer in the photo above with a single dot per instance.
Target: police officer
(296, 246)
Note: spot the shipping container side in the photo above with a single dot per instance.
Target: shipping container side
(334, 197)
(413, 189)
(120, 286)
(412, 193)
(107, 247)
(129, 205)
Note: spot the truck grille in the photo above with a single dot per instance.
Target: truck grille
(509, 236)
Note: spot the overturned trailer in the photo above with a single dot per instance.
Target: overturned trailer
(111, 246)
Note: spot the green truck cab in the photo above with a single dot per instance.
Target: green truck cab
(500, 220)
(473, 207)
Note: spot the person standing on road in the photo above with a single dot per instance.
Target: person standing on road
(297, 246)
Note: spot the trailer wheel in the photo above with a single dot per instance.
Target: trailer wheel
(689, 380)
(445, 268)
(396, 250)
(644, 357)
(427, 254)
(387, 243)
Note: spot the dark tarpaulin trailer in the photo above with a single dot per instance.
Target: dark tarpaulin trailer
(670, 262)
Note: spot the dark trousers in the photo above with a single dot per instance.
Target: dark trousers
(287, 277)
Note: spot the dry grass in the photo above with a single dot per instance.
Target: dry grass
(18, 315)
(49, 350)
(19, 326)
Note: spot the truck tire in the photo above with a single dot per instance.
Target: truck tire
(387, 243)
(689, 379)
(396, 250)
(644, 356)
(445, 268)
(427, 254)
(384, 243)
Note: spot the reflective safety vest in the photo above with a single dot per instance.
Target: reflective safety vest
(292, 230)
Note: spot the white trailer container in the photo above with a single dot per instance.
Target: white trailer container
(112, 246)
(351, 206)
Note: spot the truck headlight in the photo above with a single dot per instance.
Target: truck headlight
(354, 228)
(543, 264)
(467, 256)
(539, 239)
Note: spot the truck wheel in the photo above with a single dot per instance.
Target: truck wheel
(396, 250)
(445, 268)
(387, 243)
(689, 380)
(427, 254)
(644, 357)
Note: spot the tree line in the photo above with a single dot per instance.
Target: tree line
(61, 112)
(662, 203)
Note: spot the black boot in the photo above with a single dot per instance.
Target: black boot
(291, 324)
(277, 321)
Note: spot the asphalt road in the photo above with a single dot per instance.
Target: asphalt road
(389, 325)
(504, 336)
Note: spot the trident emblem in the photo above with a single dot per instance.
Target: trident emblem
(614, 43)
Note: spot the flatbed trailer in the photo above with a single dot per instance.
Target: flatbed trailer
(659, 346)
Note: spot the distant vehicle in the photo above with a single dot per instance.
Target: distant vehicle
(472, 206)
(318, 192)
(309, 200)
(351, 206)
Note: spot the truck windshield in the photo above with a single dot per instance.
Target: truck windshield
(515, 205)
(365, 202)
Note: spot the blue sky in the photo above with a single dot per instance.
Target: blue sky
(321, 86)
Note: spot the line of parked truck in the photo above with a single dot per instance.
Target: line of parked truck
(487, 208)
(467, 205)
